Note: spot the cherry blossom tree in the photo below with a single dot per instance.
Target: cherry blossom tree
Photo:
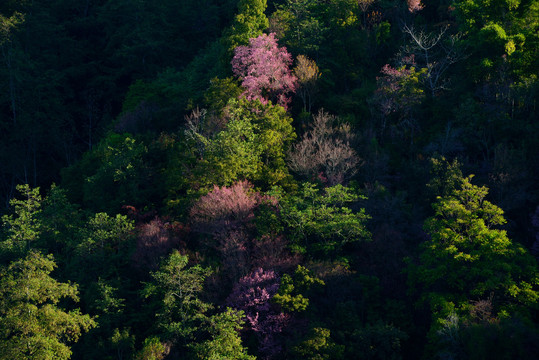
(414, 5)
(264, 69)
(252, 294)
(154, 240)
(226, 215)
(224, 208)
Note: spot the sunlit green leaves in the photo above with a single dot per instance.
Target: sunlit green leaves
(320, 221)
(466, 258)
(32, 324)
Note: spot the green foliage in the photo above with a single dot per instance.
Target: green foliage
(300, 26)
(319, 222)
(24, 227)
(446, 176)
(152, 349)
(176, 289)
(294, 289)
(249, 22)
(32, 323)
(379, 341)
(70, 70)
(252, 145)
(138, 92)
(318, 346)
(224, 342)
(113, 174)
(123, 342)
(500, 32)
(466, 258)
(481, 335)
(220, 92)
(103, 248)
(61, 220)
(8, 25)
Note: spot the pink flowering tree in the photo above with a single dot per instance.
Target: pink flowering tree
(154, 240)
(224, 208)
(253, 294)
(224, 219)
(264, 70)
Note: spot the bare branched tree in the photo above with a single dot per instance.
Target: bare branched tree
(325, 151)
(436, 52)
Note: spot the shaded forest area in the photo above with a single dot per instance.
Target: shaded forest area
(252, 179)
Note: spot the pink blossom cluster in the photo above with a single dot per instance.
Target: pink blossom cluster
(224, 208)
(264, 69)
(155, 239)
(252, 294)
(414, 5)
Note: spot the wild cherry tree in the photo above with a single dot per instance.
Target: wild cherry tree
(253, 294)
(224, 219)
(264, 69)
(224, 208)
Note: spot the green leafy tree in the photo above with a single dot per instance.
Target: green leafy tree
(176, 289)
(24, 227)
(298, 23)
(224, 341)
(482, 335)
(220, 92)
(467, 258)
(294, 289)
(103, 249)
(251, 146)
(62, 224)
(111, 175)
(446, 176)
(32, 323)
(500, 33)
(321, 223)
(152, 349)
(318, 345)
(249, 23)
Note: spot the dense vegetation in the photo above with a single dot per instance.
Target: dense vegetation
(253, 179)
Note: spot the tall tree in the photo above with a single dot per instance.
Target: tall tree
(468, 259)
(23, 227)
(176, 290)
(32, 323)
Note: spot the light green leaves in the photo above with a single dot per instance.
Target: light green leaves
(32, 324)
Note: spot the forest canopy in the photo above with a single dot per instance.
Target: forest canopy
(269, 179)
